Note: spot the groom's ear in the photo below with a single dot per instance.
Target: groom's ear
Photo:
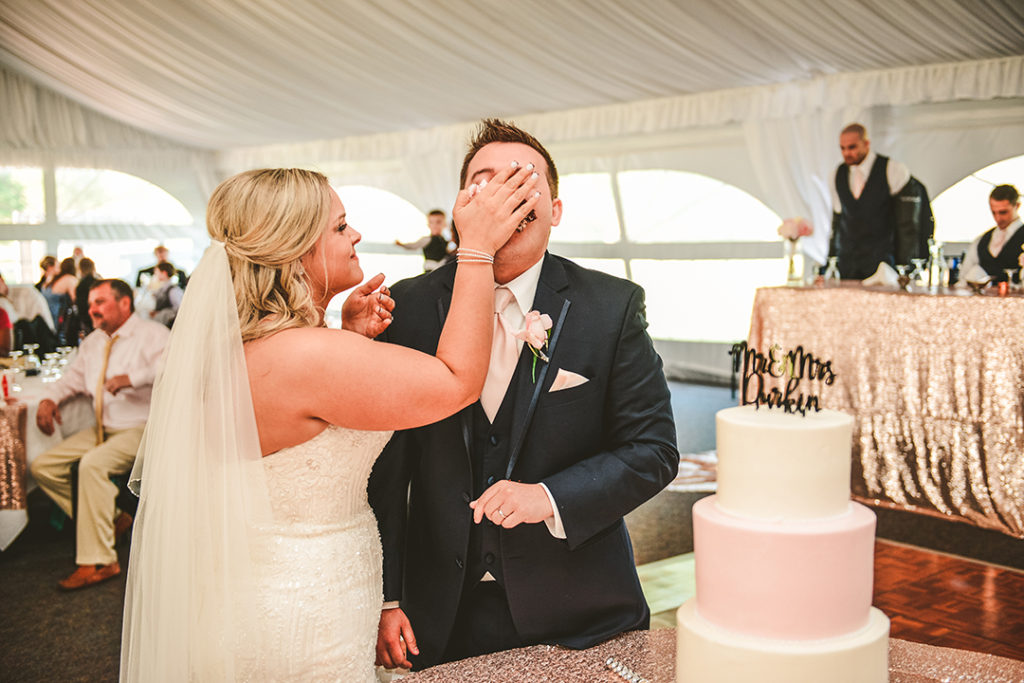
(556, 211)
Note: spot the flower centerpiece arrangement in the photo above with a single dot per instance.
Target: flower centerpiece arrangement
(792, 229)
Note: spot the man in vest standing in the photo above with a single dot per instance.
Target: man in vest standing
(502, 525)
(864, 224)
(115, 367)
(1000, 247)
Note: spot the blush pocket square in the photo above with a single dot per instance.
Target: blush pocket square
(567, 380)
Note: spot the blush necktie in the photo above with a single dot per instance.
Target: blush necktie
(504, 356)
(100, 390)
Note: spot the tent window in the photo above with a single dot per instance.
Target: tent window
(720, 313)
(21, 196)
(92, 196)
(962, 212)
(676, 206)
(588, 209)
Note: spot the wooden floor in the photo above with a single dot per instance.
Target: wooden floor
(950, 601)
(929, 598)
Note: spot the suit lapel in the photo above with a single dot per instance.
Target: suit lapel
(549, 299)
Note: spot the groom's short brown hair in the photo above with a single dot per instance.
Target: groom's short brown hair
(496, 130)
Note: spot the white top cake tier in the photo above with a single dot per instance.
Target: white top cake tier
(777, 465)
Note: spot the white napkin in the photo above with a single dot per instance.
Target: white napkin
(885, 276)
(976, 274)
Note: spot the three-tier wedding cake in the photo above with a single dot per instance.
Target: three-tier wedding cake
(784, 559)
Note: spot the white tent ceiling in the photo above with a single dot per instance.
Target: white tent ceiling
(222, 74)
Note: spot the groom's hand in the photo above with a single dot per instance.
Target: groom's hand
(395, 640)
(509, 503)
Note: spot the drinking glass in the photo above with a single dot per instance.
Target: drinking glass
(904, 279)
(1010, 274)
(17, 368)
(920, 274)
(832, 277)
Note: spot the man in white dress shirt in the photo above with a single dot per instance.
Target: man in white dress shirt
(997, 248)
(864, 213)
(115, 367)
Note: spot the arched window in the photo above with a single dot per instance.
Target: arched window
(962, 212)
(92, 196)
(21, 195)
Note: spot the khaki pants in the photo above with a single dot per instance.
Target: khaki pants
(96, 493)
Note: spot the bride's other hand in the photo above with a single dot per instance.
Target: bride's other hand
(395, 640)
(486, 214)
(367, 310)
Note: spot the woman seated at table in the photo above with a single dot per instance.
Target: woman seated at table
(59, 295)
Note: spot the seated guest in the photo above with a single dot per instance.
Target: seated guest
(999, 247)
(86, 279)
(6, 333)
(161, 253)
(49, 267)
(115, 367)
(6, 303)
(167, 298)
(59, 292)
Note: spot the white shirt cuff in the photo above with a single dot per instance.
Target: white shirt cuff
(554, 523)
(389, 605)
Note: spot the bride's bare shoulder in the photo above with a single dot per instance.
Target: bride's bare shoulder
(296, 344)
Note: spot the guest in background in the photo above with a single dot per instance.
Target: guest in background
(167, 298)
(49, 267)
(60, 295)
(435, 246)
(864, 215)
(86, 279)
(6, 333)
(997, 248)
(5, 301)
(78, 254)
(161, 253)
(118, 378)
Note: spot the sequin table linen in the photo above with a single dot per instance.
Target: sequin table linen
(20, 425)
(935, 383)
(652, 656)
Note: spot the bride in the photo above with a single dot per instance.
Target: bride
(255, 555)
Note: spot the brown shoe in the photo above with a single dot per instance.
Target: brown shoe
(89, 575)
(122, 523)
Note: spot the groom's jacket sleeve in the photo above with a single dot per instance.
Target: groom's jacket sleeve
(388, 491)
(640, 456)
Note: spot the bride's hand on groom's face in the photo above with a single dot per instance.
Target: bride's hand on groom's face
(510, 503)
(367, 310)
(488, 211)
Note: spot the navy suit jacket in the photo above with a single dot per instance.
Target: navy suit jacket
(601, 448)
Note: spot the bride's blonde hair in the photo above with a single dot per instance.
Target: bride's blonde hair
(268, 219)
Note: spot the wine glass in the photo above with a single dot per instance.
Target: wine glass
(832, 277)
(920, 275)
(17, 367)
(903, 279)
(1010, 275)
(32, 362)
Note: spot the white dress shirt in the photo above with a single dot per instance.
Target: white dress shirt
(995, 245)
(524, 287)
(136, 353)
(896, 174)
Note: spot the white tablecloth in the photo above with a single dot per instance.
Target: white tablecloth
(77, 414)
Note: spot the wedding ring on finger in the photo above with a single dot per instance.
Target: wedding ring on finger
(503, 515)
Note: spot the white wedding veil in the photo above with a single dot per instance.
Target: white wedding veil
(202, 490)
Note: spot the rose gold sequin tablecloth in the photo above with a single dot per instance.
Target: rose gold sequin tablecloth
(935, 383)
(13, 484)
(652, 655)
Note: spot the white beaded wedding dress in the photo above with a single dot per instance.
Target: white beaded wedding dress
(317, 566)
(243, 567)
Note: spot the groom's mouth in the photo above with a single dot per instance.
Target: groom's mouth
(530, 217)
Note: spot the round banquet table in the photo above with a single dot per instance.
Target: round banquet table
(652, 655)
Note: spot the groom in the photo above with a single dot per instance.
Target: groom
(554, 454)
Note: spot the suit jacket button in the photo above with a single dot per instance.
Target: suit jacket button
(494, 440)
(489, 558)
(465, 497)
(490, 480)
(458, 562)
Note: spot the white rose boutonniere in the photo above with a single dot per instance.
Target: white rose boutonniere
(536, 332)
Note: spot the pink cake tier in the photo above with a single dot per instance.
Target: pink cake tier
(789, 579)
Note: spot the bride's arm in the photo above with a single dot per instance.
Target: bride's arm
(361, 384)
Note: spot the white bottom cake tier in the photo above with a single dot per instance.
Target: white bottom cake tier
(706, 653)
